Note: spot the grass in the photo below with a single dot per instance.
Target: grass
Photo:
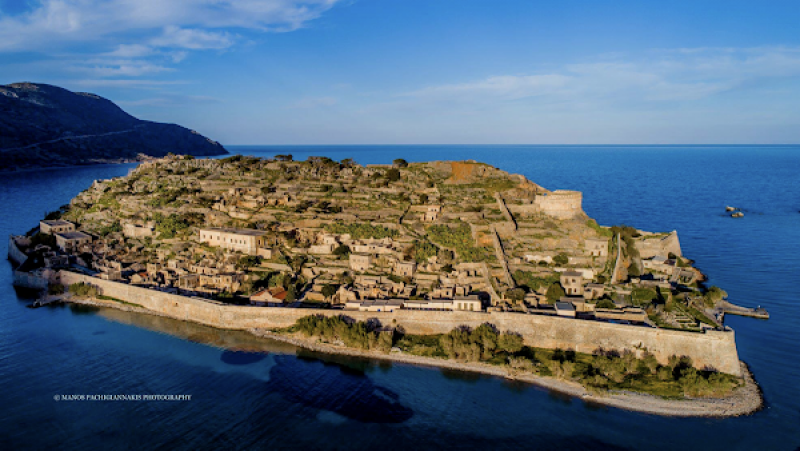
(109, 298)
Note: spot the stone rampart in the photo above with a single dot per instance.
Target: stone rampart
(715, 349)
(650, 246)
(14, 254)
(32, 280)
(560, 204)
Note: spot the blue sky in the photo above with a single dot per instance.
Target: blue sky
(425, 71)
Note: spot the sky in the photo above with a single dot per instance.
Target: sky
(425, 71)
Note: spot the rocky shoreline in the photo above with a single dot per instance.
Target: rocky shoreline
(744, 400)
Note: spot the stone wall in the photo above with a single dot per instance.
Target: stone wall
(14, 254)
(561, 204)
(32, 280)
(650, 247)
(715, 349)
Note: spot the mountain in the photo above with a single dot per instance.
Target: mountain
(43, 126)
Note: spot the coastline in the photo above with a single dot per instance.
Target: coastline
(743, 401)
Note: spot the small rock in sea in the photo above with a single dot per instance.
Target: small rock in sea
(738, 214)
(729, 208)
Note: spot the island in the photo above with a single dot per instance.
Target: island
(453, 264)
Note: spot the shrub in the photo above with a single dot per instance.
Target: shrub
(81, 289)
(342, 250)
(605, 303)
(393, 175)
(555, 292)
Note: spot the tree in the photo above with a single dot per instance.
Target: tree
(423, 198)
(328, 290)
(633, 270)
(605, 303)
(248, 261)
(291, 293)
(561, 259)
(516, 294)
(555, 292)
(393, 175)
(400, 163)
(509, 342)
(342, 250)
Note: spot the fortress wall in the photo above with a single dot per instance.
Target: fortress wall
(34, 281)
(651, 247)
(712, 349)
(14, 254)
(560, 204)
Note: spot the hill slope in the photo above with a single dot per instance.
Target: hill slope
(44, 125)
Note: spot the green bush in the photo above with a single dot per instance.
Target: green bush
(555, 292)
(361, 231)
(458, 238)
(81, 289)
(527, 279)
(423, 250)
(605, 303)
(353, 334)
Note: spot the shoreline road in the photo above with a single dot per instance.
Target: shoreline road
(65, 138)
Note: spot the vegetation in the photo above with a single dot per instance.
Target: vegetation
(561, 259)
(169, 226)
(393, 175)
(423, 250)
(601, 370)
(361, 231)
(529, 281)
(458, 238)
(248, 261)
(605, 303)
(602, 231)
(354, 334)
(555, 292)
(81, 289)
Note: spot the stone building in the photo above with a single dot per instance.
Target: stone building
(56, 226)
(71, 241)
(405, 269)
(360, 262)
(597, 247)
(432, 213)
(135, 231)
(572, 281)
(247, 241)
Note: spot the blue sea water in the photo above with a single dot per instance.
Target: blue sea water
(249, 393)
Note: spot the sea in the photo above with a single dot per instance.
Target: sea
(86, 378)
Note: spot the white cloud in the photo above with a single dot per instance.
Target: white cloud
(150, 34)
(131, 68)
(194, 39)
(58, 22)
(681, 75)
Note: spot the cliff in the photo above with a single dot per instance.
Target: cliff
(43, 126)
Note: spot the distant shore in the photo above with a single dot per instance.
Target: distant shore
(743, 401)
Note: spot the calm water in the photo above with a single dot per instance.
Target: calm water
(248, 393)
